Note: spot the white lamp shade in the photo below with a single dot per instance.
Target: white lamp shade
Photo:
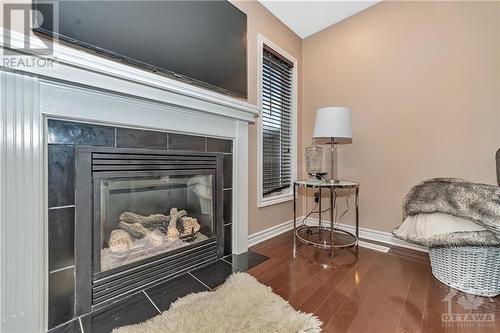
(333, 122)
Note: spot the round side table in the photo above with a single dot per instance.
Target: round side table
(329, 227)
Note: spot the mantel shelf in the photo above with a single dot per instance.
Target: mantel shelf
(83, 68)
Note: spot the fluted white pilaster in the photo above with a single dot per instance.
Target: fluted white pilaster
(22, 217)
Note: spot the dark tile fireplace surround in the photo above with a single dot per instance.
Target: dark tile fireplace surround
(64, 139)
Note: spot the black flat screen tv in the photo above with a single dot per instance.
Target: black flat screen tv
(201, 42)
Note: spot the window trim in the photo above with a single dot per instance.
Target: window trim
(287, 194)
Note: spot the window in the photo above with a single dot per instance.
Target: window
(276, 132)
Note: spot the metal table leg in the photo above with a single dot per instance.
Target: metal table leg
(294, 220)
(319, 216)
(357, 214)
(357, 220)
(332, 231)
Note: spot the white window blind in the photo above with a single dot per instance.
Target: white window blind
(276, 122)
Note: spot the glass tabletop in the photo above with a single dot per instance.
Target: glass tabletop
(341, 183)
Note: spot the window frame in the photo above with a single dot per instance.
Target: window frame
(286, 194)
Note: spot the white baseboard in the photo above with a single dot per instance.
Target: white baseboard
(376, 235)
(373, 246)
(265, 234)
(365, 233)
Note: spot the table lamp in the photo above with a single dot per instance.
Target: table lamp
(333, 123)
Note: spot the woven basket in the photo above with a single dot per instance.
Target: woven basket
(471, 269)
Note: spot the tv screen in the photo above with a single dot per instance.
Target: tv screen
(202, 42)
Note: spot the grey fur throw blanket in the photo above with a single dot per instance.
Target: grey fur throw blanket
(479, 203)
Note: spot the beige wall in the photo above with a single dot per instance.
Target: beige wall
(260, 20)
(498, 96)
(422, 79)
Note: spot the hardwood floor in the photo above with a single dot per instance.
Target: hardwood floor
(375, 292)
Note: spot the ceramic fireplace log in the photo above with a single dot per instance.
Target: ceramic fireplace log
(149, 222)
(152, 221)
(180, 214)
(172, 232)
(177, 224)
(119, 240)
(189, 226)
(136, 230)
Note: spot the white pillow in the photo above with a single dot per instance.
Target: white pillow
(423, 226)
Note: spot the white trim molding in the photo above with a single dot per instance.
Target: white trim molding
(364, 233)
(22, 209)
(240, 190)
(268, 233)
(285, 195)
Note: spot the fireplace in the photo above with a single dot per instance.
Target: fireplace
(142, 215)
(96, 102)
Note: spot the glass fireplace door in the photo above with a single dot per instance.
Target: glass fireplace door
(140, 217)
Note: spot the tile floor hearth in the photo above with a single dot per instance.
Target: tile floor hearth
(151, 301)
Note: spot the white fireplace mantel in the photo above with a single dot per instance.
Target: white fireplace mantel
(84, 68)
(88, 88)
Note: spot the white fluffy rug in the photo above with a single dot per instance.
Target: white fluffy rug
(241, 304)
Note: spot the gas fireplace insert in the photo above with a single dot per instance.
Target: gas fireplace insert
(142, 216)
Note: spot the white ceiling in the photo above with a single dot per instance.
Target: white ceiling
(308, 17)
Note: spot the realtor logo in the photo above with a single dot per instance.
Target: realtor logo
(22, 17)
(22, 49)
(472, 316)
